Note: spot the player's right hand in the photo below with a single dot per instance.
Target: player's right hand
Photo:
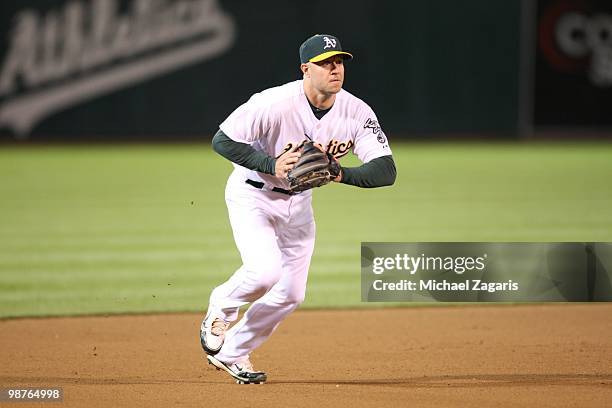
(286, 161)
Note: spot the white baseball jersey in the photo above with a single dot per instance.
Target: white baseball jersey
(275, 120)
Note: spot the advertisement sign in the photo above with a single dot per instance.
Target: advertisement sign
(573, 73)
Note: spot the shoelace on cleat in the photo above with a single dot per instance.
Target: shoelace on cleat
(218, 327)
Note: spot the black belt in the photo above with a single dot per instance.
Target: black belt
(260, 185)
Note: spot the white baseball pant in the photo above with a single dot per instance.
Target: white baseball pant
(275, 234)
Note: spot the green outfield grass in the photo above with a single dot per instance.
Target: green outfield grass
(110, 229)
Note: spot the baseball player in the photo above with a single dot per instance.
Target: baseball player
(272, 221)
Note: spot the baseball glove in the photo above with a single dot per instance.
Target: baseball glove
(314, 168)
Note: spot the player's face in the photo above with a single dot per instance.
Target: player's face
(327, 76)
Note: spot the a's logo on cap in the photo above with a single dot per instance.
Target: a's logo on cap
(329, 42)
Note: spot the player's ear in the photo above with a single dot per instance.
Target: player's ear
(304, 68)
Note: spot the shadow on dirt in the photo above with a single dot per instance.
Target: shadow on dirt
(446, 381)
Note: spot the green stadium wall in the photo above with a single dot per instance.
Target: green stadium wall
(428, 68)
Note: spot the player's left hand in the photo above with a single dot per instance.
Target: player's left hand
(315, 168)
(338, 178)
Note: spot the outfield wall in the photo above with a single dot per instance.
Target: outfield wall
(125, 69)
(573, 65)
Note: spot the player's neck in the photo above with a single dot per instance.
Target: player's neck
(318, 99)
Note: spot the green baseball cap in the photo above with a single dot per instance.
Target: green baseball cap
(320, 47)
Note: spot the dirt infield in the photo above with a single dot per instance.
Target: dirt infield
(519, 356)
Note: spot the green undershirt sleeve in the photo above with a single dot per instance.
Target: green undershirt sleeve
(243, 154)
(375, 173)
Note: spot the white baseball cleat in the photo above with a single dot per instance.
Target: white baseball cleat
(212, 334)
(242, 370)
